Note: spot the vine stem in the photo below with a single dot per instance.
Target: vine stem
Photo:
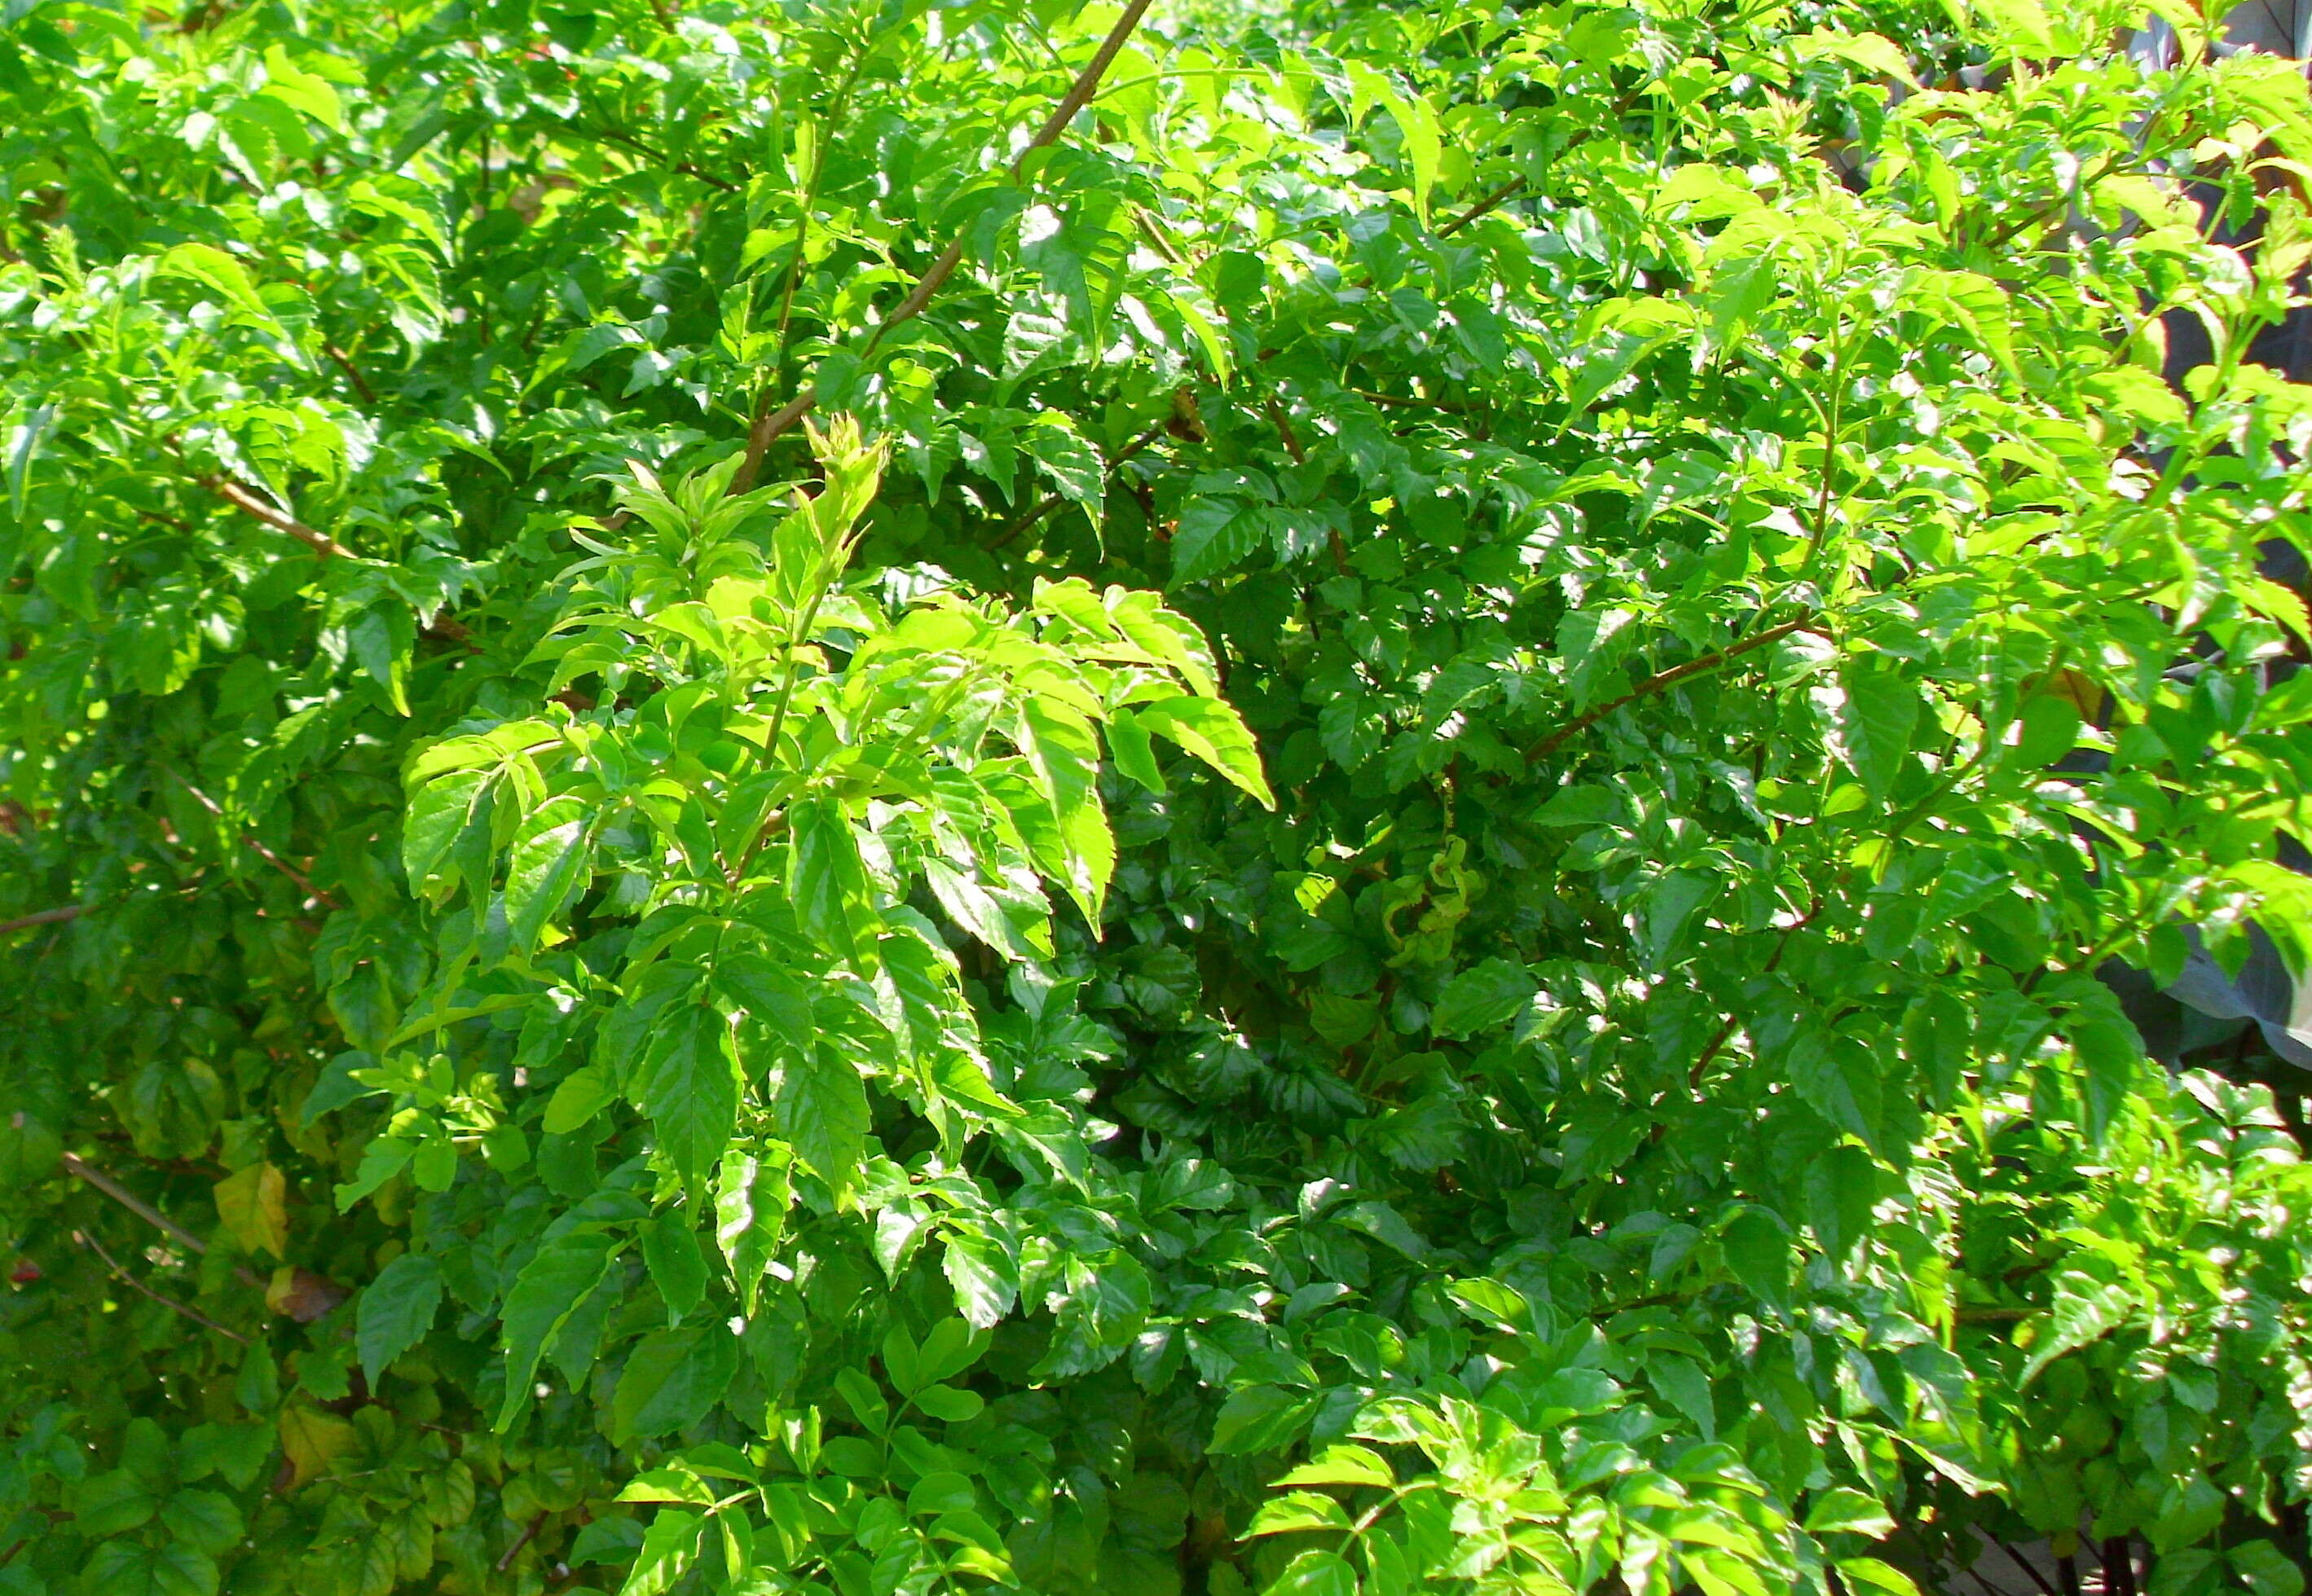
(769, 425)
(1492, 201)
(521, 1540)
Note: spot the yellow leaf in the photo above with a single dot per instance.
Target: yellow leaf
(311, 1439)
(254, 1204)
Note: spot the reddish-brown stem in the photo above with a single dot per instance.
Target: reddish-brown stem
(1053, 502)
(769, 424)
(1413, 402)
(263, 852)
(1285, 434)
(240, 496)
(81, 1170)
(44, 917)
(353, 374)
(1491, 202)
(170, 1303)
(1662, 680)
(521, 1540)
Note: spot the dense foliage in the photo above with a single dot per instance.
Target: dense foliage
(851, 797)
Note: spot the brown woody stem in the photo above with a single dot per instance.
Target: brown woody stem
(303, 881)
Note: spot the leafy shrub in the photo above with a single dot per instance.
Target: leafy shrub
(881, 797)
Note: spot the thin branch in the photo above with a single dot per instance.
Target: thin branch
(770, 425)
(353, 375)
(80, 1169)
(2019, 1561)
(1021, 523)
(1492, 201)
(642, 149)
(1509, 190)
(1285, 434)
(1662, 680)
(170, 1303)
(526, 1537)
(2045, 215)
(1733, 1022)
(241, 498)
(263, 852)
(446, 626)
(45, 917)
(1414, 401)
(835, 114)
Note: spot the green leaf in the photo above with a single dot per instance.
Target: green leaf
(214, 269)
(1215, 534)
(1875, 716)
(129, 1568)
(1315, 1573)
(690, 1088)
(1344, 1465)
(822, 1111)
(1759, 1250)
(1214, 733)
(1872, 1574)
(206, 1521)
(109, 1502)
(943, 1491)
(1065, 751)
(550, 859)
(583, 1093)
(396, 1311)
(544, 1295)
(1135, 756)
(1480, 997)
(2264, 1569)
(1260, 1418)
(828, 883)
(1298, 1510)
(670, 1546)
(23, 448)
(437, 817)
(1843, 1510)
(751, 1194)
(2085, 1310)
(676, 1265)
(1068, 460)
(672, 1380)
(951, 1403)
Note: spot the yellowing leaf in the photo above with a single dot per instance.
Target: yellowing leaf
(254, 1204)
(312, 1439)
